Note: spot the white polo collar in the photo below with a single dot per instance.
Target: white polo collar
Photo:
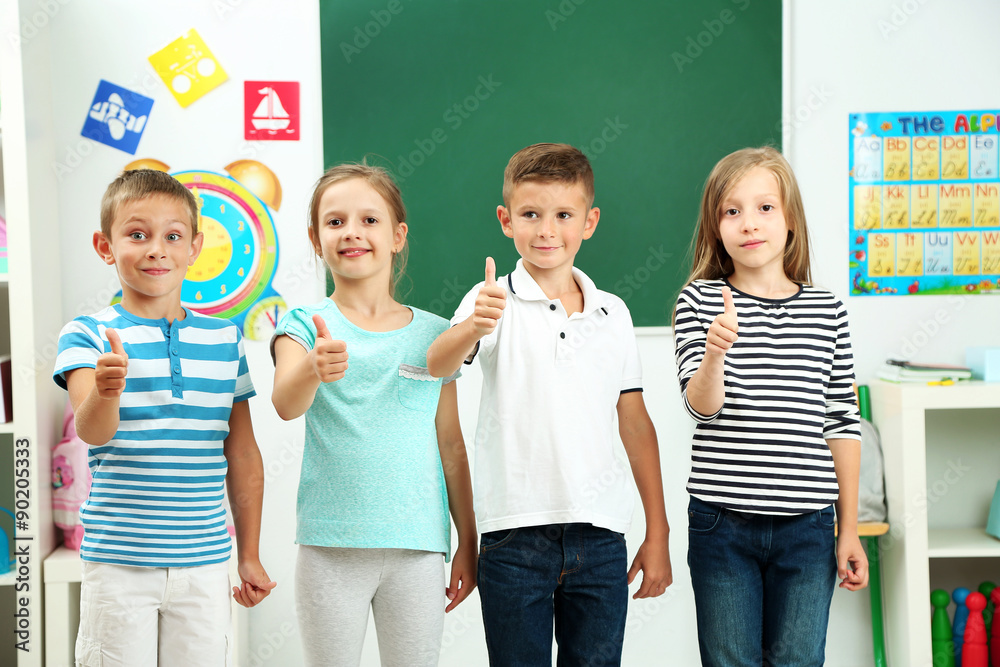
(523, 286)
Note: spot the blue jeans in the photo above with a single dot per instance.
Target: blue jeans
(762, 585)
(574, 573)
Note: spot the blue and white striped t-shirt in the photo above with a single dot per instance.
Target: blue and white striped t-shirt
(157, 494)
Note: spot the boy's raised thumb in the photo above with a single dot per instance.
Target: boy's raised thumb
(491, 272)
(321, 330)
(116, 342)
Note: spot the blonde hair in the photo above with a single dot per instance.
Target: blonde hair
(559, 163)
(710, 259)
(381, 182)
(138, 184)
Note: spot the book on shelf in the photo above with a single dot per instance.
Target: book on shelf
(894, 370)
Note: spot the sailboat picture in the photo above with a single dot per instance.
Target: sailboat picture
(270, 115)
(272, 110)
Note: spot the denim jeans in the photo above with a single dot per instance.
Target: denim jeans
(762, 585)
(573, 573)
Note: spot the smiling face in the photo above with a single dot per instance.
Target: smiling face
(356, 234)
(752, 224)
(152, 244)
(548, 221)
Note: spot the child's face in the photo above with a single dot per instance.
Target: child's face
(152, 245)
(356, 234)
(548, 222)
(752, 223)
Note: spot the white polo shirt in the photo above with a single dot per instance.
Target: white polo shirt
(546, 438)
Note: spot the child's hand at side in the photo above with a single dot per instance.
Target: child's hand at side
(490, 302)
(463, 575)
(111, 369)
(328, 356)
(852, 562)
(722, 332)
(653, 558)
(256, 584)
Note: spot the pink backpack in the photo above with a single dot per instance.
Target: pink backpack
(70, 481)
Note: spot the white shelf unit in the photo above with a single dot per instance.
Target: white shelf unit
(961, 543)
(900, 412)
(30, 318)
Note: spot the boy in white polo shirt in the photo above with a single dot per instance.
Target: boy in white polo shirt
(552, 500)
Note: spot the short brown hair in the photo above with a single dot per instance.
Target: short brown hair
(138, 184)
(711, 261)
(382, 183)
(560, 163)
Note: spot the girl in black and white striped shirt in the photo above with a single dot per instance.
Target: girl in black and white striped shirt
(765, 367)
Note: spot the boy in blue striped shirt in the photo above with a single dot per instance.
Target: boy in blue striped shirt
(161, 396)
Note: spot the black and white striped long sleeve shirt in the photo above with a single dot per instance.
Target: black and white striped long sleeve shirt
(789, 388)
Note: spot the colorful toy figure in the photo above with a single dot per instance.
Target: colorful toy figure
(974, 651)
(958, 625)
(942, 645)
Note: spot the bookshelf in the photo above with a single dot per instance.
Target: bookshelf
(30, 314)
(934, 513)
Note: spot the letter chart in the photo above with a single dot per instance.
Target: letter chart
(924, 195)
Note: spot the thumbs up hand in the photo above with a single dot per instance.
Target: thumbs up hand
(328, 356)
(112, 367)
(490, 302)
(722, 332)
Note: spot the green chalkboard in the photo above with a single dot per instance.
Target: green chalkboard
(655, 92)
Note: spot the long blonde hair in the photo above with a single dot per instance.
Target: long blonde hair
(382, 183)
(710, 259)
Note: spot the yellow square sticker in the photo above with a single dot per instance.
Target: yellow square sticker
(188, 68)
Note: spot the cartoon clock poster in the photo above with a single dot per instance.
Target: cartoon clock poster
(924, 202)
(232, 277)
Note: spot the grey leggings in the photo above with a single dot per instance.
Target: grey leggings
(335, 587)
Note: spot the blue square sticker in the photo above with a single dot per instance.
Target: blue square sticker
(117, 117)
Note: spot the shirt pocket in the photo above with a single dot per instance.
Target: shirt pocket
(418, 390)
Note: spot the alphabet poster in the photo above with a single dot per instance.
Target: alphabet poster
(924, 203)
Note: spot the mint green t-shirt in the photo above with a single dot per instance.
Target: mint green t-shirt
(371, 468)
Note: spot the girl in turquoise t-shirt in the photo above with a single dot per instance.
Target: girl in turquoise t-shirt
(384, 457)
